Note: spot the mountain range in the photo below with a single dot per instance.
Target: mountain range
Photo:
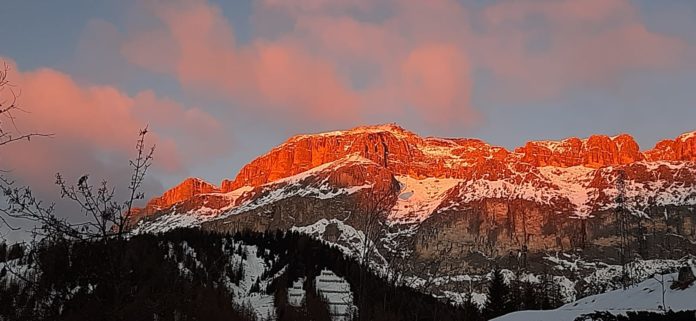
(458, 204)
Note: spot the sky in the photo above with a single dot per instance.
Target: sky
(221, 82)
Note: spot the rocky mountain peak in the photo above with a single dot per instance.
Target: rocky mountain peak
(187, 189)
(595, 151)
(382, 129)
(399, 150)
(682, 148)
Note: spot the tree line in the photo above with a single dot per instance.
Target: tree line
(81, 280)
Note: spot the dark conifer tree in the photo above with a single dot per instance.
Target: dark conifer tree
(16, 251)
(530, 296)
(470, 309)
(498, 293)
(316, 306)
(514, 298)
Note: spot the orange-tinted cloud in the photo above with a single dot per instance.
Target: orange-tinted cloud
(437, 76)
(201, 53)
(299, 75)
(353, 61)
(94, 130)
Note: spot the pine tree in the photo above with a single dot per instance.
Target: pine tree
(470, 309)
(529, 296)
(549, 293)
(514, 301)
(3, 251)
(316, 306)
(16, 251)
(498, 292)
(255, 287)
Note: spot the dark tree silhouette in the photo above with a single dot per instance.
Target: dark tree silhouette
(105, 216)
(3, 251)
(371, 214)
(78, 283)
(108, 217)
(497, 294)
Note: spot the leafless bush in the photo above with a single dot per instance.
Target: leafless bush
(105, 216)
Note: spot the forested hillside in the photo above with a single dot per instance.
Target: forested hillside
(190, 274)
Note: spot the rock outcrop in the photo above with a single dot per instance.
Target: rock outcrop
(405, 153)
(595, 152)
(401, 151)
(682, 148)
(188, 189)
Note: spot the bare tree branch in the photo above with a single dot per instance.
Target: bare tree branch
(105, 217)
(8, 106)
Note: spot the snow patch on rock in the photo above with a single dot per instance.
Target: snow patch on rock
(418, 199)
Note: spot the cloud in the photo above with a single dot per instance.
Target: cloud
(94, 131)
(540, 49)
(309, 73)
(202, 55)
(342, 62)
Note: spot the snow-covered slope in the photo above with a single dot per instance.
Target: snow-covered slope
(645, 296)
(312, 183)
(337, 293)
(350, 241)
(296, 293)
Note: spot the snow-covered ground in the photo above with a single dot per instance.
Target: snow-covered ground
(168, 222)
(658, 191)
(296, 294)
(333, 289)
(645, 296)
(336, 291)
(254, 267)
(603, 278)
(573, 182)
(351, 241)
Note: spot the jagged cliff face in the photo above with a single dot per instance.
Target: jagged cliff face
(683, 148)
(396, 149)
(188, 189)
(456, 193)
(595, 152)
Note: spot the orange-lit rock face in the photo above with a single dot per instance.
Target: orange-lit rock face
(186, 190)
(683, 148)
(596, 151)
(401, 151)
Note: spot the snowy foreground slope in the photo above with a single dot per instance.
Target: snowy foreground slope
(645, 296)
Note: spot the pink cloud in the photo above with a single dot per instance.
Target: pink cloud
(204, 57)
(436, 76)
(94, 130)
(331, 64)
(300, 75)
